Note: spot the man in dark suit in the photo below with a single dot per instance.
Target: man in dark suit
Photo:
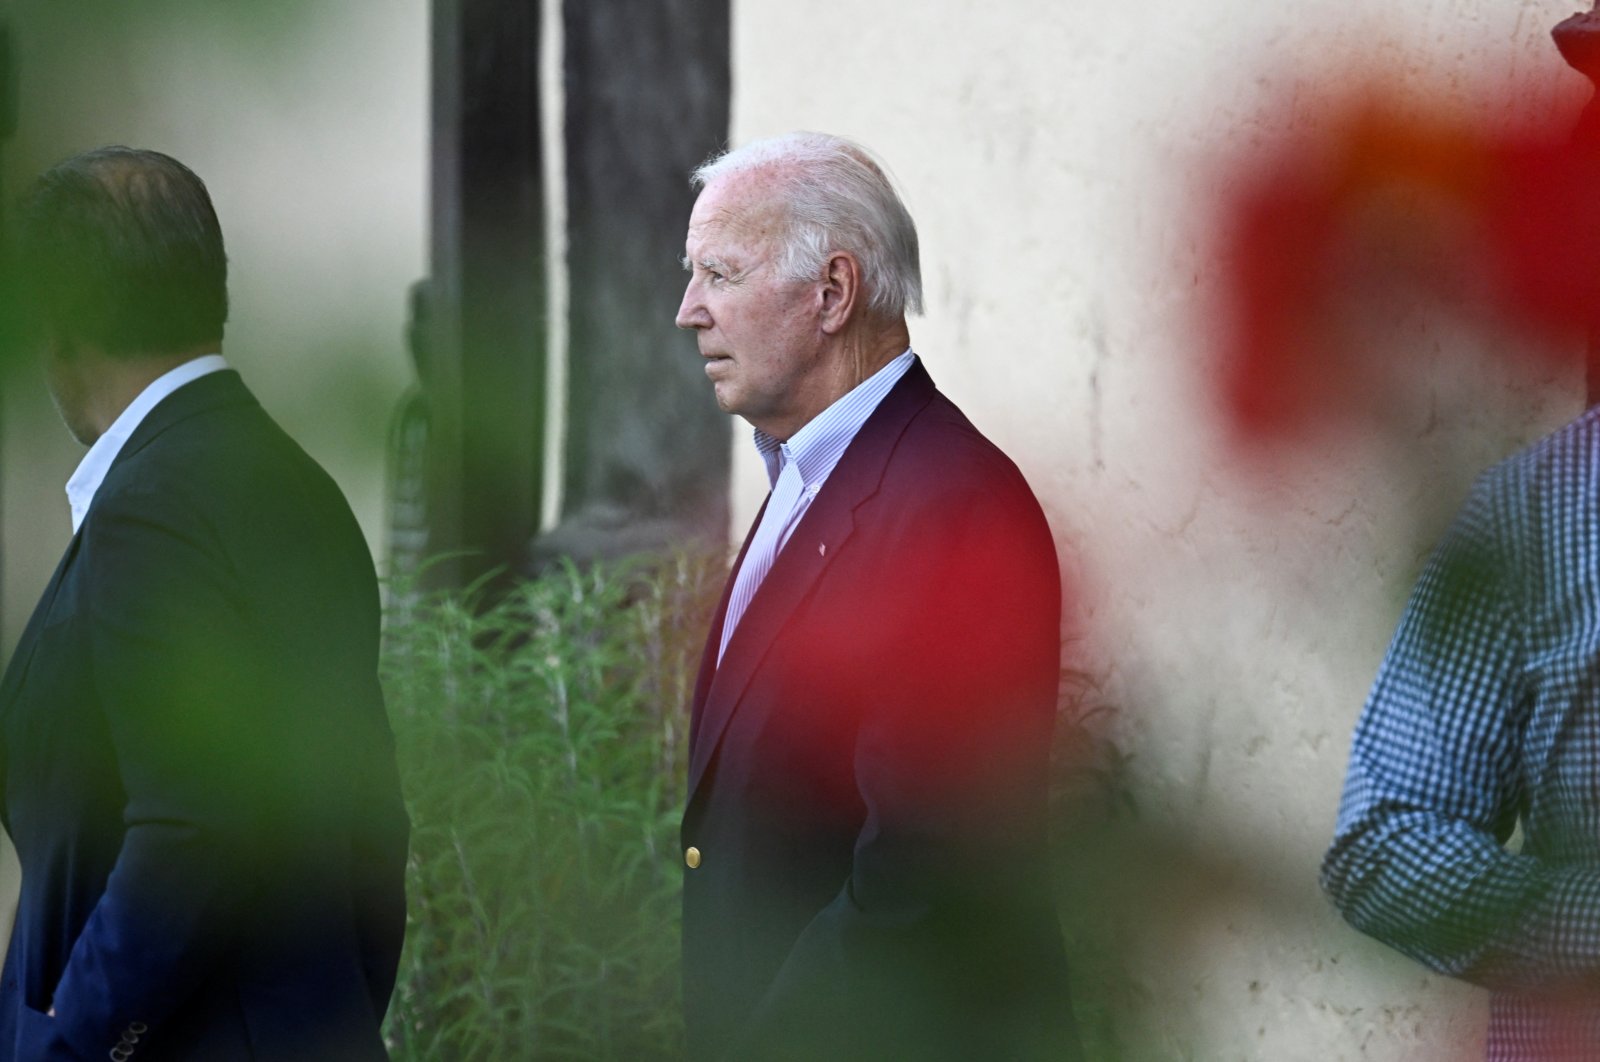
(198, 772)
(864, 837)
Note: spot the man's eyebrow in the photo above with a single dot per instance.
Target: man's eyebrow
(708, 262)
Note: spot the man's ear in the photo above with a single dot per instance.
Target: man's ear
(841, 292)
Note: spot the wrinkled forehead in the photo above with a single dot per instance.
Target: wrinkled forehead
(743, 209)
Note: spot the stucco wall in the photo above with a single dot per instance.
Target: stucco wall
(1053, 155)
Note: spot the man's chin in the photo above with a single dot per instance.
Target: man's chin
(84, 433)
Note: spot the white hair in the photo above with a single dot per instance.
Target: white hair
(838, 198)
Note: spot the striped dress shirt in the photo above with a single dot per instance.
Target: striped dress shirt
(808, 457)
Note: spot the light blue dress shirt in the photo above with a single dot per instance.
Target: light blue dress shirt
(797, 469)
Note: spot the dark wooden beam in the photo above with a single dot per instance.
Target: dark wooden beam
(647, 99)
(486, 293)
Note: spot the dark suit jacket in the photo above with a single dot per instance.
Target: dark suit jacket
(198, 771)
(868, 769)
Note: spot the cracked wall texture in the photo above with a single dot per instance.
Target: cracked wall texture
(1053, 155)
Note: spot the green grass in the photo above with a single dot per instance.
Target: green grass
(541, 744)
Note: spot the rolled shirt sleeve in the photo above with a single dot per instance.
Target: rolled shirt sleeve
(1482, 715)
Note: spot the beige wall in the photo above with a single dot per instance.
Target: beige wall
(1050, 153)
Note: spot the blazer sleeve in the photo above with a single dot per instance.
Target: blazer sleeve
(946, 907)
(185, 687)
(378, 861)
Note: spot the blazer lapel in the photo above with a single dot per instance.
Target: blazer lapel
(822, 532)
(708, 655)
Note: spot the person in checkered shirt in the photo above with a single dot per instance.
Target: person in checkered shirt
(1485, 716)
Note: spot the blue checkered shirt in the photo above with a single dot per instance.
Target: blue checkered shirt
(1486, 713)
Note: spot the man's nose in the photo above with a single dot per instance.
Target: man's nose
(691, 311)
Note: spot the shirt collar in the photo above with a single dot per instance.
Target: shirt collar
(819, 444)
(91, 471)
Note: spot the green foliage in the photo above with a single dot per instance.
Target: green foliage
(1092, 776)
(1094, 810)
(541, 743)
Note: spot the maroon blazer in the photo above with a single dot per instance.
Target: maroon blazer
(868, 774)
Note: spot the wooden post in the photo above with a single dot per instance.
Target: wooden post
(647, 451)
(647, 88)
(486, 290)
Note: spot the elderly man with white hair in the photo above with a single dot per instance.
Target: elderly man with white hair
(864, 838)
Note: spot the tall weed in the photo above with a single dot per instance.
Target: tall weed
(542, 742)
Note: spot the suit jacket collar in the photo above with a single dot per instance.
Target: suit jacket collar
(209, 392)
(91, 471)
(212, 391)
(822, 532)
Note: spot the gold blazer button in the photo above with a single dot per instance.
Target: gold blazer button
(691, 857)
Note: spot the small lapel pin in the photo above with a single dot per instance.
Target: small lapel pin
(822, 549)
